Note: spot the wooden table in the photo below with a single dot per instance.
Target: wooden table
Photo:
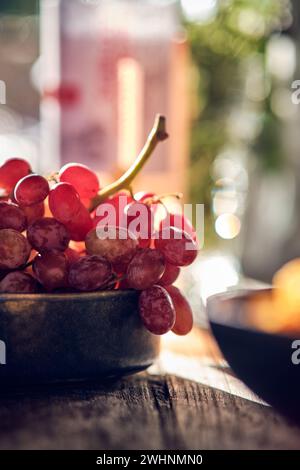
(189, 400)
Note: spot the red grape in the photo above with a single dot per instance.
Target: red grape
(177, 246)
(145, 269)
(18, 282)
(48, 234)
(122, 211)
(145, 243)
(64, 202)
(86, 202)
(51, 270)
(72, 255)
(34, 212)
(179, 221)
(14, 249)
(111, 212)
(144, 196)
(116, 244)
(90, 273)
(80, 225)
(140, 221)
(84, 180)
(184, 314)
(157, 310)
(31, 189)
(170, 275)
(12, 216)
(12, 171)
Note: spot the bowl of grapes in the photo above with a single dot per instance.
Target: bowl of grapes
(87, 272)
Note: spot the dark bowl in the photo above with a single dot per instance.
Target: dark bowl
(261, 360)
(60, 337)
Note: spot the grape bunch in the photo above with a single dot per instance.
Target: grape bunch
(54, 239)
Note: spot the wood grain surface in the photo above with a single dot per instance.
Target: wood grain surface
(203, 406)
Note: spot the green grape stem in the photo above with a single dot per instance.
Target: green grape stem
(157, 134)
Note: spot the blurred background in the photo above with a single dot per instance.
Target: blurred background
(83, 79)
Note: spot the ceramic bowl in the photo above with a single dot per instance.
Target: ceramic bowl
(261, 360)
(62, 337)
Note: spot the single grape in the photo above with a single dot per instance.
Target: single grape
(145, 269)
(12, 171)
(157, 310)
(111, 212)
(86, 202)
(12, 216)
(124, 197)
(51, 270)
(18, 283)
(144, 196)
(84, 180)
(31, 189)
(34, 212)
(115, 244)
(80, 225)
(145, 243)
(48, 234)
(177, 246)
(90, 273)
(14, 249)
(170, 275)
(148, 198)
(64, 202)
(179, 221)
(184, 314)
(72, 255)
(122, 211)
(140, 222)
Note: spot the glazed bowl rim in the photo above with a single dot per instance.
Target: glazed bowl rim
(78, 296)
(233, 296)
